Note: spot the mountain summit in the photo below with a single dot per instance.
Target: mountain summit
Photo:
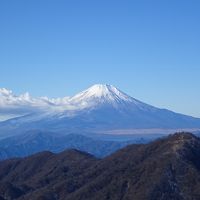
(102, 91)
(100, 94)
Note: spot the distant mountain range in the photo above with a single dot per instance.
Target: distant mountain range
(99, 108)
(167, 169)
(37, 141)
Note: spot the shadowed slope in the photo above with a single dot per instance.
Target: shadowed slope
(167, 169)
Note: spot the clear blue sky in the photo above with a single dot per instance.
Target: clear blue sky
(149, 49)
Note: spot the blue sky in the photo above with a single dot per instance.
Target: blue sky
(149, 49)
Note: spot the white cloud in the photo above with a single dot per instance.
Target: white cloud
(12, 105)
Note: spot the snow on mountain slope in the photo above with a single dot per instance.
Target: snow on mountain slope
(99, 94)
(103, 92)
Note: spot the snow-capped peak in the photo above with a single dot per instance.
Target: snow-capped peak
(100, 93)
(100, 90)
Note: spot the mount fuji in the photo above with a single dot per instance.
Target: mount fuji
(99, 108)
